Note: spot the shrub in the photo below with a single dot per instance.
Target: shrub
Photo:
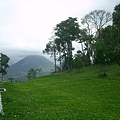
(102, 74)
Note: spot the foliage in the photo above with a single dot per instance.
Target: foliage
(102, 74)
(99, 53)
(117, 54)
(51, 50)
(87, 42)
(78, 63)
(96, 20)
(33, 73)
(10, 79)
(99, 42)
(4, 59)
(116, 16)
(108, 47)
(116, 24)
(66, 32)
(92, 24)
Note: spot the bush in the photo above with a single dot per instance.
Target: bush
(102, 74)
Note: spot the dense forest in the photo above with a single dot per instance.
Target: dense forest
(98, 36)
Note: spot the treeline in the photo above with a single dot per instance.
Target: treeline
(98, 36)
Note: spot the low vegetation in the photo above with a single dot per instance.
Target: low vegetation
(71, 95)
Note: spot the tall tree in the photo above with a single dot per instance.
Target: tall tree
(67, 31)
(59, 47)
(108, 35)
(86, 40)
(100, 53)
(97, 19)
(116, 16)
(51, 50)
(107, 50)
(4, 59)
(116, 24)
(93, 23)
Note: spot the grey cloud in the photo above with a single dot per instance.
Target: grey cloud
(25, 31)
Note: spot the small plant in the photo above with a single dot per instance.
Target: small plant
(102, 74)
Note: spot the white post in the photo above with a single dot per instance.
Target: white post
(1, 108)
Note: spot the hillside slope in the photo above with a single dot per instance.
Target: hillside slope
(19, 70)
(71, 95)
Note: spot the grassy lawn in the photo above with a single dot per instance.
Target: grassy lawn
(70, 95)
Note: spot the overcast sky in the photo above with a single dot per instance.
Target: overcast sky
(27, 25)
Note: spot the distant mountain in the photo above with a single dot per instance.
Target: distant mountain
(19, 70)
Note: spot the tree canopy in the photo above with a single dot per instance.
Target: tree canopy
(4, 59)
(99, 40)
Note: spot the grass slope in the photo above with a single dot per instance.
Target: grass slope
(70, 95)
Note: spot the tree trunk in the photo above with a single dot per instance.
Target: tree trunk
(54, 55)
(83, 54)
(69, 55)
(55, 60)
(60, 61)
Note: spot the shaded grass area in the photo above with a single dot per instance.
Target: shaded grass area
(72, 95)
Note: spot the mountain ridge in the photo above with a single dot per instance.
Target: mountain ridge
(19, 70)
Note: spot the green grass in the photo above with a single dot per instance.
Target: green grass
(70, 95)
